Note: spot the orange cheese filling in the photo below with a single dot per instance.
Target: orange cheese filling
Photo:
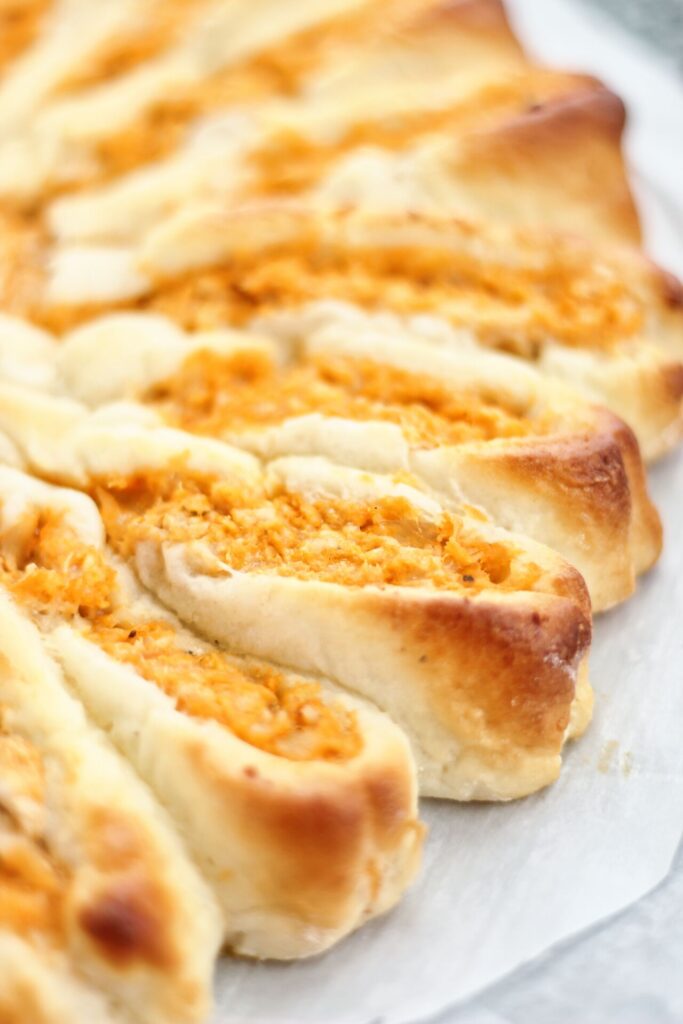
(222, 395)
(20, 22)
(556, 293)
(384, 543)
(32, 883)
(53, 573)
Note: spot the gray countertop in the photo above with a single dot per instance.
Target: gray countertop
(657, 22)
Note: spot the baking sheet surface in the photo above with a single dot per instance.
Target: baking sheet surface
(501, 884)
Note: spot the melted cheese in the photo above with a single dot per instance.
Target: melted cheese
(218, 396)
(56, 575)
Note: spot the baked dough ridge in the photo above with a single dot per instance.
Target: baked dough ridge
(482, 723)
(135, 921)
(575, 483)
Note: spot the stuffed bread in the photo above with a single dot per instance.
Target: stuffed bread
(102, 915)
(477, 427)
(298, 805)
(606, 322)
(534, 147)
(93, 95)
(366, 579)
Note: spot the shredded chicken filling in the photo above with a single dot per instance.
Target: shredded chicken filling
(556, 294)
(55, 574)
(222, 395)
(386, 542)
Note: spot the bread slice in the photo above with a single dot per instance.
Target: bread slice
(606, 322)
(437, 102)
(100, 908)
(298, 804)
(478, 428)
(364, 579)
(87, 100)
(532, 147)
(535, 151)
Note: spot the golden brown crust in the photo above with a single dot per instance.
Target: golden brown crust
(671, 289)
(224, 601)
(299, 851)
(314, 843)
(127, 920)
(566, 152)
(571, 491)
(288, 888)
(428, 659)
(127, 912)
(646, 526)
(586, 474)
(507, 661)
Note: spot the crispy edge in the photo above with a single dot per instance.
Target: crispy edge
(328, 843)
(570, 143)
(646, 525)
(503, 672)
(126, 917)
(488, 17)
(583, 481)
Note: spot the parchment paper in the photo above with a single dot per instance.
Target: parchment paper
(501, 884)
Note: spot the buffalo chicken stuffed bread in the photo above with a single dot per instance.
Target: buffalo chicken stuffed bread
(102, 916)
(298, 804)
(329, 363)
(129, 109)
(414, 100)
(606, 323)
(476, 427)
(427, 596)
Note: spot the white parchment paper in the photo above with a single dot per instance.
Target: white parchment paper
(501, 884)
